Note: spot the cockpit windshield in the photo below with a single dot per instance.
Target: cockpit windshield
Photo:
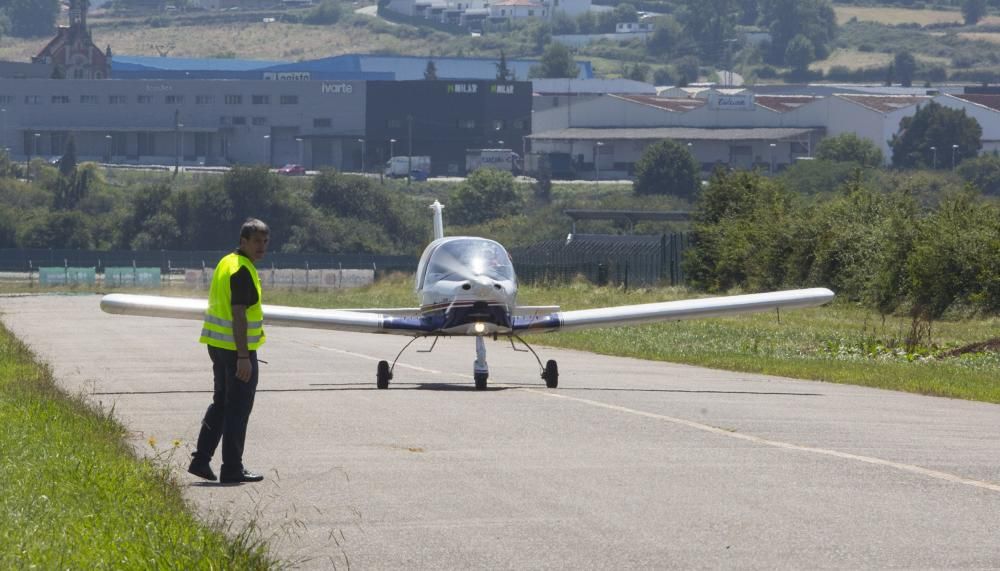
(468, 258)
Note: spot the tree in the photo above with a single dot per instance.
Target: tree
(486, 194)
(667, 167)
(503, 72)
(67, 164)
(711, 23)
(666, 37)
(662, 76)
(625, 13)
(687, 69)
(800, 53)
(973, 11)
(31, 18)
(905, 66)
(556, 62)
(983, 172)
(786, 19)
(848, 147)
(430, 72)
(637, 72)
(326, 13)
(940, 127)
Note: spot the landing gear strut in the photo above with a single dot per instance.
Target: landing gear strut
(550, 372)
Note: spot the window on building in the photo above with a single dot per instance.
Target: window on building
(466, 123)
(394, 123)
(261, 99)
(239, 120)
(175, 99)
(204, 99)
(117, 99)
(497, 124)
(289, 99)
(33, 99)
(234, 100)
(322, 122)
(144, 99)
(60, 99)
(799, 148)
(6, 99)
(77, 74)
(521, 124)
(260, 121)
(89, 99)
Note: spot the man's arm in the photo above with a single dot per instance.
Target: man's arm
(243, 365)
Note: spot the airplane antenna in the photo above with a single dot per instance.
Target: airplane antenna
(437, 207)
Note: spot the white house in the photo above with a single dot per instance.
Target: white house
(518, 9)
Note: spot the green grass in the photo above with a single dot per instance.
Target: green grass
(73, 496)
(841, 343)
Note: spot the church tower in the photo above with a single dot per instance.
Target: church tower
(72, 53)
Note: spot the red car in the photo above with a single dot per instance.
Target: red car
(292, 170)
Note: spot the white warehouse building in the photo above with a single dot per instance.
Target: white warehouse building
(608, 133)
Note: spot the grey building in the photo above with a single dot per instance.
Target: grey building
(315, 123)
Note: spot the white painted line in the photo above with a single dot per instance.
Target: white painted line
(945, 476)
(787, 446)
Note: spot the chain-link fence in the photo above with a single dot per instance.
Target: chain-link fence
(602, 259)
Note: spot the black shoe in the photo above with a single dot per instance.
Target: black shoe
(201, 469)
(246, 476)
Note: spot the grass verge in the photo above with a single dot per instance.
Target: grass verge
(73, 496)
(841, 343)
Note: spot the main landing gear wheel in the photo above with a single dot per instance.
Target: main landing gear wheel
(551, 374)
(383, 375)
(481, 380)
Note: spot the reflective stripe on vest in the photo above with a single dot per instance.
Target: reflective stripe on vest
(217, 329)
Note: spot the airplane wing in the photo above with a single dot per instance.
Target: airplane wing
(370, 321)
(671, 310)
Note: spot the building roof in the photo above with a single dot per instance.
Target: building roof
(884, 103)
(526, 3)
(986, 100)
(784, 103)
(134, 63)
(672, 104)
(682, 133)
(590, 86)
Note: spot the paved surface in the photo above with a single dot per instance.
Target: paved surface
(630, 464)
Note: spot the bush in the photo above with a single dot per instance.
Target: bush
(326, 13)
(983, 172)
(486, 194)
(667, 167)
(848, 147)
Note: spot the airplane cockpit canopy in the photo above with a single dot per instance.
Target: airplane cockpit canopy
(468, 258)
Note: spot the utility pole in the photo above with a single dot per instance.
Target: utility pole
(177, 141)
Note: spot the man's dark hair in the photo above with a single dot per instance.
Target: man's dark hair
(253, 226)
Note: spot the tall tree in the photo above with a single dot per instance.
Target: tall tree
(556, 62)
(905, 66)
(848, 147)
(31, 18)
(799, 53)
(973, 11)
(667, 167)
(503, 72)
(935, 136)
(711, 23)
(430, 72)
(787, 19)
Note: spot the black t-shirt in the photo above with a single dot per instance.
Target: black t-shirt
(241, 286)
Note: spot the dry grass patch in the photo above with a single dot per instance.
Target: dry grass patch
(991, 37)
(852, 59)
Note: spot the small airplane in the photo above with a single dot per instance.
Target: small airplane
(467, 287)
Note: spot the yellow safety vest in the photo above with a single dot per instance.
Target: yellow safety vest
(217, 329)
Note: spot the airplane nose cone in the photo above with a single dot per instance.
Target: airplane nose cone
(485, 288)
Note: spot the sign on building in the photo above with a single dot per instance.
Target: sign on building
(287, 75)
(737, 102)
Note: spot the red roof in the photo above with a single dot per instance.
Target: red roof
(676, 105)
(784, 103)
(885, 103)
(985, 99)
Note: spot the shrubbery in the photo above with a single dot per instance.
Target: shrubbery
(884, 248)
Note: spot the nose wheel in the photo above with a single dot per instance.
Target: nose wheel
(551, 374)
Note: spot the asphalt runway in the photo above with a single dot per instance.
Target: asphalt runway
(629, 464)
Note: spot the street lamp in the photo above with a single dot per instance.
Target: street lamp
(597, 166)
(773, 146)
(364, 156)
(954, 148)
(302, 157)
(934, 159)
(4, 113)
(107, 140)
(267, 150)
(391, 143)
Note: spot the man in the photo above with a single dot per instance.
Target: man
(233, 330)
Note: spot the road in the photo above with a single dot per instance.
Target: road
(628, 464)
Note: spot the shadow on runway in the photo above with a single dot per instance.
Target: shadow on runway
(459, 387)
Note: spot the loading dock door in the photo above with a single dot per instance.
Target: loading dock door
(285, 149)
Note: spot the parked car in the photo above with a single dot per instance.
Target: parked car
(292, 170)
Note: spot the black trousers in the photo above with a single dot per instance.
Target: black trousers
(227, 416)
